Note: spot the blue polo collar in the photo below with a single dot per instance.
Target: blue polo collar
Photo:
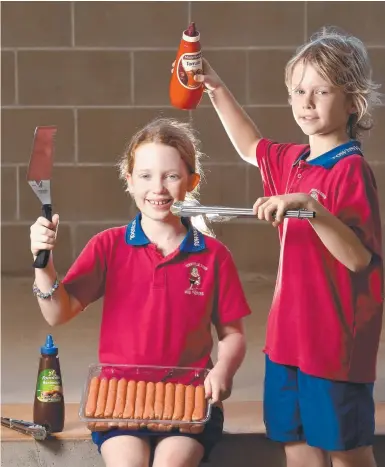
(329, 159)
(194, 240)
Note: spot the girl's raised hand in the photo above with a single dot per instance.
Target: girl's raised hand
(43, 234)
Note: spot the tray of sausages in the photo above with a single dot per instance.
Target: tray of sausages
(152, 398)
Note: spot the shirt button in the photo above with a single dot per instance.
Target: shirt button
(299, 176)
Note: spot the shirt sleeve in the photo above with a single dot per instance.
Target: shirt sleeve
(85, 280)
(230, 303)
(357, 203)
(274, 162)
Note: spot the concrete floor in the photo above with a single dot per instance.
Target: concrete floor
(24, 331)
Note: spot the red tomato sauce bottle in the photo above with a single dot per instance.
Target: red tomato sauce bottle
(185, 92)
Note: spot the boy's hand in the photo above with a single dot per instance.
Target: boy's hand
(218, 384)
(209, 78)
(43, 234)
(266, 207)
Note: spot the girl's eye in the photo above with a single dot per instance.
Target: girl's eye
(322, 92)
(298, 91)
(145, 176)
(173, 177)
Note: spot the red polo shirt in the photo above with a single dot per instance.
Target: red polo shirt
(325, 319)
(157, 310)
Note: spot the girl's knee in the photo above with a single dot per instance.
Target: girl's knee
(178, 451)
(126, 451)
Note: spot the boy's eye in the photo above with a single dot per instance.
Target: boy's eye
(145, 176)
(322, 92)
(173, 176)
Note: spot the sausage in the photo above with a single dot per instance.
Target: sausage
(92, 397)
(148, 413)
(102, 398)
(196, 429)
(169, 401)
(160, 390)
(132, 426)
(140, 400)
(167, 428)
(101, 426)
(200, 404)
(120, 398)
(179, 402)
(111, 398)
(189, 403)
(130, 400)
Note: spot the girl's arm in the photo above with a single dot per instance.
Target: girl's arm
(231, 352)
(60, 307)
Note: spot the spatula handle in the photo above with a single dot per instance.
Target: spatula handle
(42, 257)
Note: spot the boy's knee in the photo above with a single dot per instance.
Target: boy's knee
(302, 455)
(359, 457)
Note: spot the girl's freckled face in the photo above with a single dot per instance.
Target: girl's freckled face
(159, 177)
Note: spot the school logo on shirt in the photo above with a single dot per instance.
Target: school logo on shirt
(195, 278)
(314, 193)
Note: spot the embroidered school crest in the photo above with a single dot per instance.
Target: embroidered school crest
(314, 193)
(195, 278)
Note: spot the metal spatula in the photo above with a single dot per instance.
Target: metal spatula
(39, 177)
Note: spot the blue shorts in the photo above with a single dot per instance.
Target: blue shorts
(209, 437)
(330, 415)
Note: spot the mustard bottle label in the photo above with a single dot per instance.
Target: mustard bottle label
(49, 386)
(189, 65)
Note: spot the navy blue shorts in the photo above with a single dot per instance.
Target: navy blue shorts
(330, 415)
(209, 437)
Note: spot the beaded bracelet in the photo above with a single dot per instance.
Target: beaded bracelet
(38, 293)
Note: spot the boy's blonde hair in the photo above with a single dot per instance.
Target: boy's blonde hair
(343, 60)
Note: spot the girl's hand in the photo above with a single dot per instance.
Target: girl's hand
(43, 234)
(266, 207)
(209, 78)
(218, 384)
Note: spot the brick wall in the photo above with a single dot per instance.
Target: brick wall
(99, 70)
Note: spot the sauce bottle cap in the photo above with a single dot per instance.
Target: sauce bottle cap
(49, 348)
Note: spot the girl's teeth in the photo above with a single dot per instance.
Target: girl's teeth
(158, 203)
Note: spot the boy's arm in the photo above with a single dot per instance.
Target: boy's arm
(231, 352)
(339, 239)
(239, 127)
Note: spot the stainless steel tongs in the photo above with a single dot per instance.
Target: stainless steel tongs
(39, 432)
(223, 214)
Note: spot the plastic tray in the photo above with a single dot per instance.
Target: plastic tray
(155, 374)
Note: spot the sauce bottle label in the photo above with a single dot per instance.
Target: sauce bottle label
(49, 386)
(189, 65)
